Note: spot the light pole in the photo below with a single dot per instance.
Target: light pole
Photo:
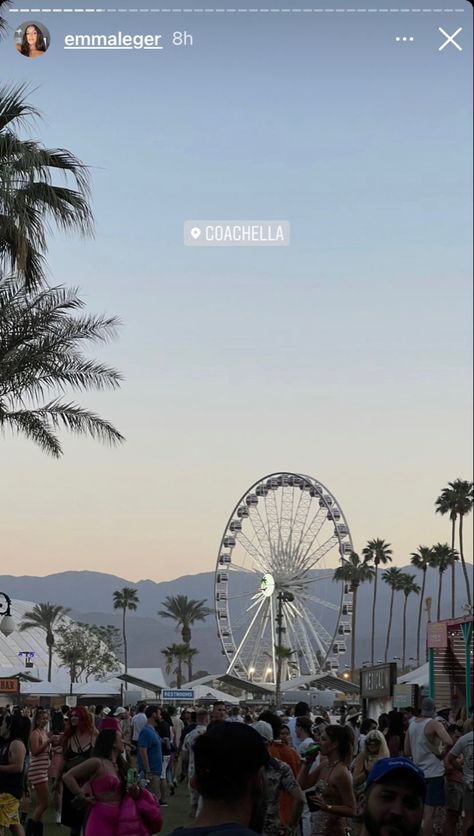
(283, 596)
(7, 624)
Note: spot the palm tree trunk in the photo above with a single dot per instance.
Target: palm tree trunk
(461, 555)
(374, 602)
(418, 631)
(404, 631)
(389, 628)
(453, 568)
(439, 595)
(353, 643)
(125, 649)
(190, 668)
(179, 674)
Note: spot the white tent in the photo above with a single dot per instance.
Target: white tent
(420, 676)
(205, 693)
(42, 689)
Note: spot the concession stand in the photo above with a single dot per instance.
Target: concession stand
(450, 659)
(376, 689)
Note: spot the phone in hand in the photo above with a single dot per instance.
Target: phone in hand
(311, 797)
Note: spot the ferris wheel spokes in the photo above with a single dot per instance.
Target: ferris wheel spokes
(278, 535)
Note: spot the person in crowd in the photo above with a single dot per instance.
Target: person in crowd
(395, 735)
(229, 763)
(58, 724)
(453, 786)
(139, 720)
(278, 777)
(333, 795)
(393, 803)
(301, 710)
(443, 715)
(353, 722)
(33, 44)
(367, 725)
(39, 745)
(235, 715)
(149, 758)
(464, 747)
(285, 736)
(383, 722)
(177, 727)
(202, 725)
(190, 722)
(426, 742)
(100, 784)
(78, 742)
(219, 713)
(374, 749)
(409, 715)
(99, 714)
(163, 727)
(282, 752)
(12, 764)
(303, 730)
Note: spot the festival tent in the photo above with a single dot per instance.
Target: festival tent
(203, 693)
(420, 676)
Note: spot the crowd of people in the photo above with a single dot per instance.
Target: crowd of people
(109, 772)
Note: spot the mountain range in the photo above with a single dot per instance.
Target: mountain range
(89, 596)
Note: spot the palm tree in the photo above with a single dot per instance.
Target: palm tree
(180, 653)
(125, 599)
(408, 586)
(4, 4)
(41, 353)
(392, 578)
(421, 560)
(462, 499)
(184, 611)
(377, 552)
(443, 556)
(445, 504)
(30, 203)
(46, 617)
(353, 571)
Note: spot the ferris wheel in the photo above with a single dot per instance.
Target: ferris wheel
(275, 600)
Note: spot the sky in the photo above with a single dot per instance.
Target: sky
(345, 356)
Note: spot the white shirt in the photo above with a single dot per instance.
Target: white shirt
(422, 752)
(139, 721)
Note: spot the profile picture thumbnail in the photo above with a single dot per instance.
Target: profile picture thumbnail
(32, 39)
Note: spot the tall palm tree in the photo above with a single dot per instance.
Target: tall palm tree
(180, 654)
(443, 556)
(463, 500)
(376, 552)
(41, 354)
(392, 578)
(353, 571)
(408, 586)
(46, 617)
(30, 202)
(421, 560)
(184, 611)
(446, 504)
(125, 599)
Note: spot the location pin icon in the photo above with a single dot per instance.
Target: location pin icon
(195, 233)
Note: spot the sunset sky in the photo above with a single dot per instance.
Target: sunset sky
(345, 356)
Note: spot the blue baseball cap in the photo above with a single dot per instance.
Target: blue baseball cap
(385, 766)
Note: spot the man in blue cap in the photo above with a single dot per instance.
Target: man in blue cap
(394, 799)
